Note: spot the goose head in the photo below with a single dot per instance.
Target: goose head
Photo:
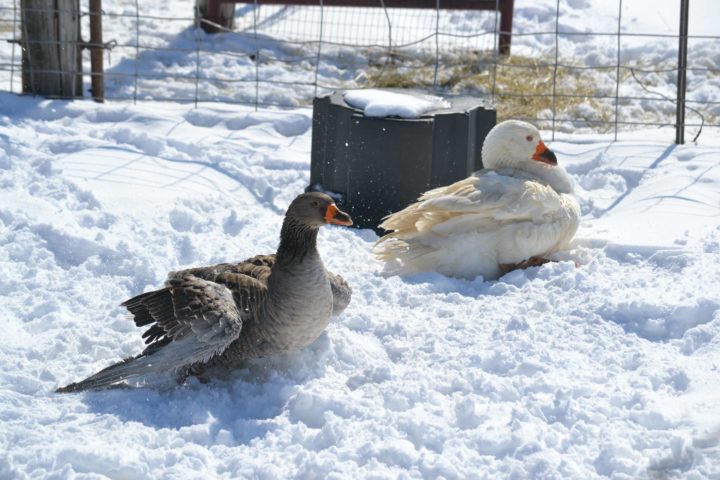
(303, 219)
(316, 209)
(516, 144)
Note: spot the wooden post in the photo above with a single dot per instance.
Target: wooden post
(506, 21)
(96, 51)
(217, 12)
(51, 60)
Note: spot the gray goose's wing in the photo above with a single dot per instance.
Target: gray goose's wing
(193, 319)
(257, 267)
(342, 293)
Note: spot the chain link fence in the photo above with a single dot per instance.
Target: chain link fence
(561, 78)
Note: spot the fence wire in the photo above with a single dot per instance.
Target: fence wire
(284, 56)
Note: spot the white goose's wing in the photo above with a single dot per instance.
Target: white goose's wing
(471, 227)
(484, 201)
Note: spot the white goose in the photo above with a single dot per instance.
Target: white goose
(512, 214)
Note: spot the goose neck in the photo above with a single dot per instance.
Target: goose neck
(297, 242)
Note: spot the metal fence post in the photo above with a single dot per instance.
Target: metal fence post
(506, 21)
(682, 73)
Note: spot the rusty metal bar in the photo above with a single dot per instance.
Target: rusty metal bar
(212, 10)
(682, 72)
(430, 4)
(96, 51)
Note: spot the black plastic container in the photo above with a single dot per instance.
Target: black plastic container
(376, 166)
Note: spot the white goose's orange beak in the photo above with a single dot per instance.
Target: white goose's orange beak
(544, 154)
(337, 217)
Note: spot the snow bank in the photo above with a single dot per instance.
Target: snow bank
(287, 73)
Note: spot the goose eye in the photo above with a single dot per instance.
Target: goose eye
(529, 138)
(315, 203)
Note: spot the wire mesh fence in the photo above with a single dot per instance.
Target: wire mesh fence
(607, 77)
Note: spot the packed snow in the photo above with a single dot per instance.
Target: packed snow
(604, 364)
(604, 369)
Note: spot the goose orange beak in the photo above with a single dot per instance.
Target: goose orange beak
(337, 217)
(544, 154)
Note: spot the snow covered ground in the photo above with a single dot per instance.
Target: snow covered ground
(608, 369)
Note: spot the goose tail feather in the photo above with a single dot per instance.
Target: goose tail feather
(111, 376)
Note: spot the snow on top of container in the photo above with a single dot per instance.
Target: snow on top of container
(385, 103)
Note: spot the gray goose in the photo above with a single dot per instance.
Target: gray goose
(220, 315)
